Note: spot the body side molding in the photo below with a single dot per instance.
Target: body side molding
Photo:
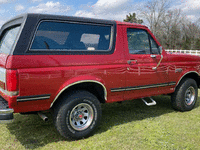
(142, 87)
(33, 98)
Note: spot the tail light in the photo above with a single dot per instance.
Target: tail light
(11, 80)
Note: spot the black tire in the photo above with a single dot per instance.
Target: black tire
(84, 109)
(185, 95)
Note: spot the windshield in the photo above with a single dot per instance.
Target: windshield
(8, 40)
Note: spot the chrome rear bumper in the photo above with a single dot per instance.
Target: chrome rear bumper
(6, 114)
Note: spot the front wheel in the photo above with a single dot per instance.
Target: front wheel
(185, 95)
(78, 115)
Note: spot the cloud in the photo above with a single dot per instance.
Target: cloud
(189, 7)
(118, 9)
(5, 1)
(50, 7)
(19, 7)
(112, 9)
(111, 4)
(83, 13)
(36, 1)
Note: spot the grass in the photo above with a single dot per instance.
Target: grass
(129, 125)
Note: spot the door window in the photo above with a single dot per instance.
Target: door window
(154, 46)
(140, 42)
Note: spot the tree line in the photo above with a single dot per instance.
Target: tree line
(170, 26)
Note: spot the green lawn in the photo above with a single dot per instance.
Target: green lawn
(129, 125)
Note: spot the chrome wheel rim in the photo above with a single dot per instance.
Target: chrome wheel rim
(190, 95)
(81, 116)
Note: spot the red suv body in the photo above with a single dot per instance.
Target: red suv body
(72, 64)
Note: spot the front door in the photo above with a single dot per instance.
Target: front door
(142, 55)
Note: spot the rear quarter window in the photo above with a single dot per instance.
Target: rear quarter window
(8, 39)
(65, 36)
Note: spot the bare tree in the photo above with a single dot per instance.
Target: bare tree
(171, 27)
(154, 12)
(191, 34)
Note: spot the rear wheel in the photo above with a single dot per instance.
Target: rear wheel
(78, 115)
(185, 95)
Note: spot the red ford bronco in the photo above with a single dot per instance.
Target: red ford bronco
(71, 65)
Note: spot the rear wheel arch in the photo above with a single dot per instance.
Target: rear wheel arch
(92, 86)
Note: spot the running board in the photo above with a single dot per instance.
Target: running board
(153, 102)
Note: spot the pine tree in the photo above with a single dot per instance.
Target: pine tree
(132, 18)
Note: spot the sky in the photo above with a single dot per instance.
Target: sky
(102, 9)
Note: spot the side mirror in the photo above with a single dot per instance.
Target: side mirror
(160, 49)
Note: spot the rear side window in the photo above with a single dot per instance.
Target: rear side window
(62, 36)
(8, 40)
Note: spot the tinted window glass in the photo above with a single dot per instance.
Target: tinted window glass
(61, 36)
(138, 41)
(154, 47)
(90, 40)
(8, 40)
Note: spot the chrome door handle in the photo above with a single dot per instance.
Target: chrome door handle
(132, 62)
(153, 56)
